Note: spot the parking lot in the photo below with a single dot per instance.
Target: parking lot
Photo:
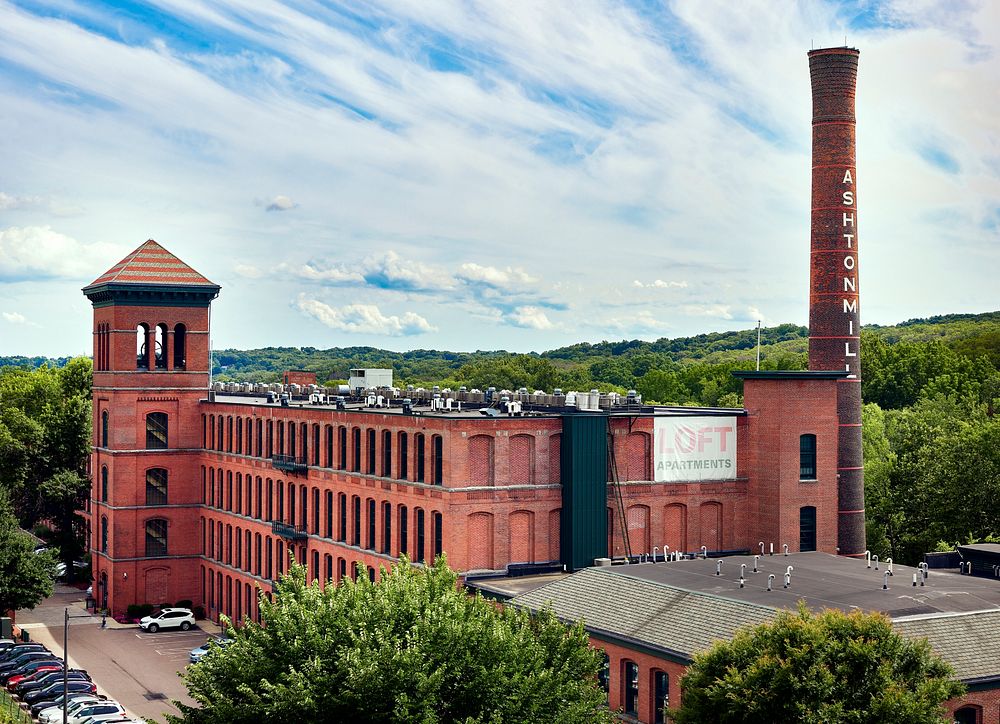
(137, 669)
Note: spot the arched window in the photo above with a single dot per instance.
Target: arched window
(104, 428)
(661, 696)
(156, 537)
(438, 534)
(160, 347)
(403, 462)
(630, 688)
(371, 524)
(387, 454)
(418, 553)
(342, 504)
(437, 459)
(328, 497)
(142, 346)
(156, 431)
(316, 446)
(156, 486)
(342, 447)
(604, 674)
(329, 446)
(356, 537)
(418, 444)
(356, 444)
(268, 558)
(371, 452)
(104, 483)
(180, 347)
(807, 457)
(968, 715)
(387, 528)
(403, 530)
(807, 528)
(104, 534)
(239, 435)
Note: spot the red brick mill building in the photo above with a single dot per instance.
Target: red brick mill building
(202, 493)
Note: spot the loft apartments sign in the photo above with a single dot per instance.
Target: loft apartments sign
(690, 449)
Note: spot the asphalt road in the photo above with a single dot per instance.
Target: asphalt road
(137, 669)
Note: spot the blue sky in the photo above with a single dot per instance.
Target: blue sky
(465, 175)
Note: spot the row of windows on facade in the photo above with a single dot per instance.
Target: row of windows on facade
(222, 600)
(157, 338)
(329, 448)
(659, 688)
(255, 552)
(156, 537)
(156, 430)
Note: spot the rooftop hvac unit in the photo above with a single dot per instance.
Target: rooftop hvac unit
(341, 402)
(407, 406)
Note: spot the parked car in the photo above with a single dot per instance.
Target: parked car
(113, 709)
(53, 715)
(53, 707)
(103, 719)
(17, 649)
(78, 568)
(33, 671)
(56, 707)
(220, 642)
(50, 677)
(181, 618)
(13, 667)
(53, 690)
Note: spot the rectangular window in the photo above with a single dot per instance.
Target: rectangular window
(356, 461)
(437, 452)
(316, 447)
(387, 454)
(342, 447)
(807, 457)
(419, 444)
(438, 535)
(807, 528)
(329, 514)
(403, 471)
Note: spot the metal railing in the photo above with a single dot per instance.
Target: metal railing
(290, 463)
(288, 531)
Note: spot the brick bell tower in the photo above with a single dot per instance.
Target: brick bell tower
(834, 315)
(151, 366)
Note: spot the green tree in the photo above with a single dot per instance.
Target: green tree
(412, 647)
(25, 576)
(828, 667)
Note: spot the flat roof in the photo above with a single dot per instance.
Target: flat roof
(824, 581)
(470, 410)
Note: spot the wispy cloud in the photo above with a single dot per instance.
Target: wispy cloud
(473, 160)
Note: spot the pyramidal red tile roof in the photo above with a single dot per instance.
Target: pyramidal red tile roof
(151, 264)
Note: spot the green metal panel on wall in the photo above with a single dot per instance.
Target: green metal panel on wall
(583, 534)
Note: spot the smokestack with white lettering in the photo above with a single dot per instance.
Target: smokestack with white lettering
(834, 316)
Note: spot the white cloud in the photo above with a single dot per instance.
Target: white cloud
(641, 322)
(280, 203)
(718, 311)
(314, 272)
(39, 252)
(472, 272)
(14, 317)
(660, 284)
(363, 319)
(8, 202)
(248, 271)
(530, 318)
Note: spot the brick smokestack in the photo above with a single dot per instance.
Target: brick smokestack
(834, 315)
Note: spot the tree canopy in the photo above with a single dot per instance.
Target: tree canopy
(828, 667)
(25, 576)
(44, 444)
(411, 647)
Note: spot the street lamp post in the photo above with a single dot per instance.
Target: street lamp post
(65, 704)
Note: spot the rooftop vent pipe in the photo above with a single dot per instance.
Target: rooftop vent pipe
(770, 580)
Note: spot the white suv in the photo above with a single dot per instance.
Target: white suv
(181, 618)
